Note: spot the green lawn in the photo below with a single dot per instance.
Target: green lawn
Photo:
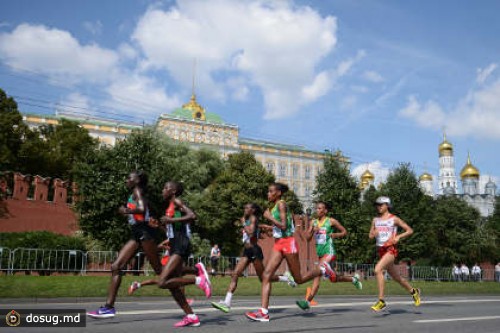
(18, 286)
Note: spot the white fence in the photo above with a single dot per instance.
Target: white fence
(49, 261)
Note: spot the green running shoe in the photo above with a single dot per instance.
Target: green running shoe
(304, 305)
(356, 282)
(221, 306)
(291, 280)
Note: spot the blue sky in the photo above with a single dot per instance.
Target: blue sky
(378, 80)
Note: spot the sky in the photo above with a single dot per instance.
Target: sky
(379, 80)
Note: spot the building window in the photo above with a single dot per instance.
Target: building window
(270, 167)
(307, 191)
(282, 172)
(295, 171)
(295, 188)
(307, 172)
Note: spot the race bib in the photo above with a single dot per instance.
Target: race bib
(277, 232)
(320, 237)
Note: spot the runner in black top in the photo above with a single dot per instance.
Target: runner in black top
(142, 235)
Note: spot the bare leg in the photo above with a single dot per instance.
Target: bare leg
(242, 264)
(172, 270)
(317, 279)
(272, 265)
(384, 262)
(391, 269)
(294, 264)
(259, 269)
(151, 251)
(125, 254)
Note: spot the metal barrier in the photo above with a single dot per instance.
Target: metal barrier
(47, 261)
(5, 259)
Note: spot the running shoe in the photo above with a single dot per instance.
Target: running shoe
(102, 313)
(329, 272)
(186, 321)
(291, 280)
(379, 306)
(221, 306)
(257, 315)
(308, 293)
(304, 305)
(356, 282)
(133, 287)
(416, 296)
(205, 280)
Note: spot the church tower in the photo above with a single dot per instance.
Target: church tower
(470, 178)
(425, 182)
(447, 177)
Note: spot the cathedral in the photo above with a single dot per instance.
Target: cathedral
(480, 197)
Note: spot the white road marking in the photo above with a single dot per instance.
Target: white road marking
(322, 305)
(446, 320)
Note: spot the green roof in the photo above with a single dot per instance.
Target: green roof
(187, 114)
(92, 121)
(274, 145)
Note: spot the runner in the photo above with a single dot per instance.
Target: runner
(251, 254)
(285, 247)
(322, 229)
(385, 230)
(142, 235)
(177, 220)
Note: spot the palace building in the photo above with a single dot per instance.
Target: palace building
(294, 165)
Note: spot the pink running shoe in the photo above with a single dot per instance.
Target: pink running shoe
(257, 315)
(186, 321)
(133, 287)
(329, 272)
(205, 284)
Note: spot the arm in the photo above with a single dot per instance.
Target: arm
(373, 230)
(336, 224)
(310, 230)
(141, 205)
(408, 231)
(188, 217)
(250, 229)
(282, 223)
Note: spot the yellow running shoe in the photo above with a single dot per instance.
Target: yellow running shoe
(416, 296)
(379, 306)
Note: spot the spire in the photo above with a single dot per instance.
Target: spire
(193, 94)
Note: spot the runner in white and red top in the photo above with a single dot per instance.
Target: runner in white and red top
(385, 230)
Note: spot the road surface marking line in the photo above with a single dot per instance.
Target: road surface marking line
(446, 320)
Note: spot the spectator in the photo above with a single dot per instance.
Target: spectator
(214, 258)
(476, 272)
(497, 272)
(465, 272)
(456, 273)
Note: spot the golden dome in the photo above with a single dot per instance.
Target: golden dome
(198, 112)
(425, 177)
(469, 170)
(367, 176)
(445, 148)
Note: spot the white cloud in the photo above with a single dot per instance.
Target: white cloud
(127, 52)
(238, 88)
(373, 76)
(379, 171)
(276, 45)
(76, 104)
(359, 89)
(140, 95)
(55, 53)
(484, 73)
(4, 24)
(475, 115)
(95, 28)
(348, 102)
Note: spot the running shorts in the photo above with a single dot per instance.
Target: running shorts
(143, 232)
(180, 245)
(286, 245)
(383, 250)
(254, 252)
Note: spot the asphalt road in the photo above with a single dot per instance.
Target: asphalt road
(342, 314)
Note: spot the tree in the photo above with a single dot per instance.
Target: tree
(452, 232)
(12, 132)
(243, 180)
(336, 186)
(101, 180)
(492, 229)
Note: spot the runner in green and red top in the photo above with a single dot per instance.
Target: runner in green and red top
(323, 229)
(143, 234)
(251, 254)
(285, 247)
